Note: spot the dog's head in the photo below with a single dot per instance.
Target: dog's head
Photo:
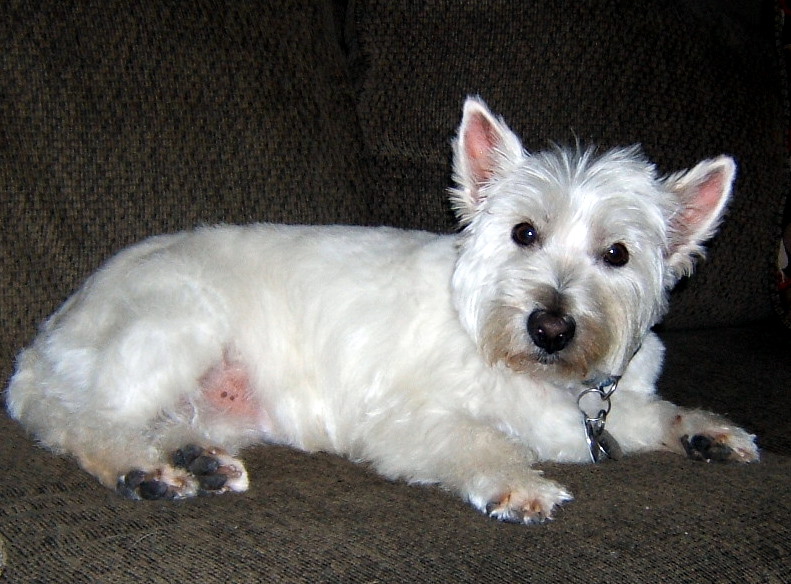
(566, 257)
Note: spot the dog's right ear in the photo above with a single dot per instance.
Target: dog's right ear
(484, 148)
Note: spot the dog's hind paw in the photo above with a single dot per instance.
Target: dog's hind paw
(529, 506)
(215, 470)
(195, 471)
(162, 483)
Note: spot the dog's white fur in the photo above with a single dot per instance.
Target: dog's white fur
(405, 349)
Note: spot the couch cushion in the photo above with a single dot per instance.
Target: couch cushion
(688, 81)
(653, 518)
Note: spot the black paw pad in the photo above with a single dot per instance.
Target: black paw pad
(137, 485)
(212, 483)
(201, 464)
(204, 465)
(153, 490)
(184, 457)
(701, 447)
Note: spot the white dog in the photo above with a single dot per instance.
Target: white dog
(450, 359)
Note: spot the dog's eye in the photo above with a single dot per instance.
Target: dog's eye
(524, 234)
(616, 255)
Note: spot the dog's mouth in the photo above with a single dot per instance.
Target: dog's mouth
(547, 359)
(540, 362)
(574, 363)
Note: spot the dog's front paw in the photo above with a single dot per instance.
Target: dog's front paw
(195, 471)
(723, 447)
(706, 436)
(533, 504)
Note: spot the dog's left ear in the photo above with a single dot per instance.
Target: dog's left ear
(484, 147)
(702, 194)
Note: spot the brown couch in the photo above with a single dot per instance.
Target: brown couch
(123, 119)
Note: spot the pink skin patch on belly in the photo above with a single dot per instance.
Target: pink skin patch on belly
(226, 388)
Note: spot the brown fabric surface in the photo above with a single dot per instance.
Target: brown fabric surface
(687, 80)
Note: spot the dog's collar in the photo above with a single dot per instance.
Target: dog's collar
(602, 382)
(594, 403)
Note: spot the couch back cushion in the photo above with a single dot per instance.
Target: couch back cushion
(686, 80)
(126, 119)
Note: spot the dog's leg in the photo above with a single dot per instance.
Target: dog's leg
(145, 457)
(141, 471)
(225, 400)
(483, 465)
(642, 422)
(706, 436)
(492, 471)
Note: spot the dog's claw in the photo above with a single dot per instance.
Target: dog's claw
(508, 515)
(532, 507)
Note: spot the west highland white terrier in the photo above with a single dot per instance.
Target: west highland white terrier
(458, 360)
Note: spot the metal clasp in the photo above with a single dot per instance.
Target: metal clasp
(601, 444)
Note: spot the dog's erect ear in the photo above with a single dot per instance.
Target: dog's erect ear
(703, 193)
(484, 147)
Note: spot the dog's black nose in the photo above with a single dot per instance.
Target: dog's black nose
(549, 330)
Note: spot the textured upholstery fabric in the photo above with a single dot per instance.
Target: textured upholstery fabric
(321, 519)
(119, 120)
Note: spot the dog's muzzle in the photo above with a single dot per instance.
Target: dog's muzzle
(550, 330)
